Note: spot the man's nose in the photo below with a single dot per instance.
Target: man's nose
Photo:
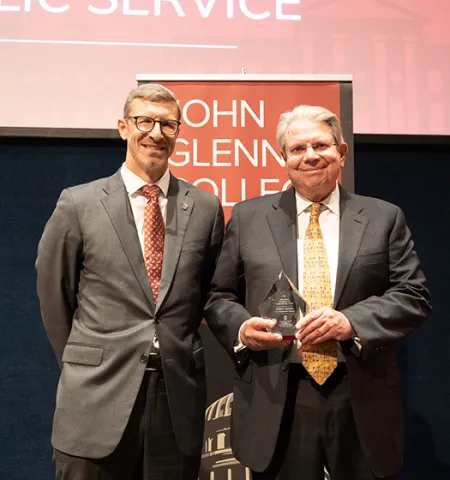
(310, 153)
(156, 132)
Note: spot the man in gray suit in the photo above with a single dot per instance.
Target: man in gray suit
(122, 300)
(289, 419)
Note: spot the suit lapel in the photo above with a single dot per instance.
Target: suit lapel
(351, 232)
(118, 208)
(179, 208)
(282, 222)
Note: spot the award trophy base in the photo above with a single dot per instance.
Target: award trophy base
(288, 337)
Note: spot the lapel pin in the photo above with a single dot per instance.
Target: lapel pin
(184, 206)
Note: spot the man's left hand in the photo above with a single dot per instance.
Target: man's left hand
(323, 324)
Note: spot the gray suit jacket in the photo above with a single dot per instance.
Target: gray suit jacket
(100, 316)
(380, 288)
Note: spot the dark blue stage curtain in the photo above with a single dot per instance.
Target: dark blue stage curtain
(32, 174)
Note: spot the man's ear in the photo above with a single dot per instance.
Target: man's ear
(123, 129)
(283, 155)
(343, 150)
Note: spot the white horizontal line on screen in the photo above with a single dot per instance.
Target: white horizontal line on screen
(119, 44)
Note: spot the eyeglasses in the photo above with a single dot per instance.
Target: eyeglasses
(319, 147)
(147, 124)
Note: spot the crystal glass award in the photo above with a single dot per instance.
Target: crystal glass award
(285, 304)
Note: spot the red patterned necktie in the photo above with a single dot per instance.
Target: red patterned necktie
(153, 237)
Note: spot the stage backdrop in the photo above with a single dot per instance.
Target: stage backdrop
(227, 146)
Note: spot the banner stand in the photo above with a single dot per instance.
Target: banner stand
(227, 146)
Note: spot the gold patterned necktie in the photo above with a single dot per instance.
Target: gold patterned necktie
(320, 360)
(154, 231)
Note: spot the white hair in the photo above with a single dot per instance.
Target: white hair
(313, 113)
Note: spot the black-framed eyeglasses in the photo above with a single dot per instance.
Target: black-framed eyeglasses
(318, 147)
(146, 124)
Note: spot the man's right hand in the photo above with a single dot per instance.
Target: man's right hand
(254, 334)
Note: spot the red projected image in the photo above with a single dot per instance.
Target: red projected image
(86, 53)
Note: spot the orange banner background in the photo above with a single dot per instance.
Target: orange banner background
(227, 142)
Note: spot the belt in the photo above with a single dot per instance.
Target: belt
(154, 363)
(300, 371)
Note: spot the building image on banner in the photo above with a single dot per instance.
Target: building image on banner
(218, 462)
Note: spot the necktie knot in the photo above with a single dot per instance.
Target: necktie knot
(151, 192)
(316, 208)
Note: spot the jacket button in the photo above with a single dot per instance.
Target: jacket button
(144, 358)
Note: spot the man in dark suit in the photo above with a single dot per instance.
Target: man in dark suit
(331, 398)
(122, 279)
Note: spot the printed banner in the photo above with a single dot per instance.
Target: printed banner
(227, 145)
(227, 142)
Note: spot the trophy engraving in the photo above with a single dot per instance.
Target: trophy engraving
(285, 304)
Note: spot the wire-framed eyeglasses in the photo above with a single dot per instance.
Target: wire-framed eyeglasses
(318, 147)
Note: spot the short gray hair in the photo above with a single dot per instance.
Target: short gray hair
(313, 113)
(153, 92)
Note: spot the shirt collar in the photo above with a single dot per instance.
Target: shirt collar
(133, 183)
(331, 202)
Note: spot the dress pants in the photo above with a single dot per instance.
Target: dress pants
(317, 430)
(148, 449)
